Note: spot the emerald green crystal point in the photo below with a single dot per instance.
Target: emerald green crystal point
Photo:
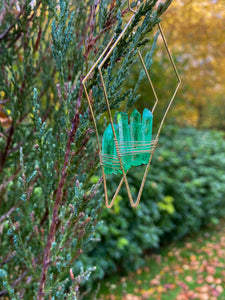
(116, 161)
(135, 113)
(134, 141)
(123, 139)
(147, 112)
(147, 121)
(136, 138)
(107, 149)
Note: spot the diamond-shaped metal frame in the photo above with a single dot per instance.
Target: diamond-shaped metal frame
(124, 174)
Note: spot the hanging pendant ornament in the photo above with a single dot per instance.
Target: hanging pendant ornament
(125, 145)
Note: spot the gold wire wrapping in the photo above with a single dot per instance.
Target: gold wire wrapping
(153, 144)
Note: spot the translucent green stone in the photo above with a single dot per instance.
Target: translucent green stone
(136, 138)
(147, 121)
(134, 141)
(123, 139)
(116, 162)
(108, 146)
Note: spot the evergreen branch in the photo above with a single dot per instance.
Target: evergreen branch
(59, 195)
(12, 209)
(31, 186)
(15, 148)
(4, 185)
(92, 26)
(3, 156)
(51, 205)
(28, 21)
(7, 31)
(112, 5)
(108, 25)
(85, 30)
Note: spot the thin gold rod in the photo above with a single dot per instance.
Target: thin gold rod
(165, 114)
(116, 42)
(135, 204)
(96, 131)
(178, 78)
(122, 180)
(170, 56)
(145, 176)
(130, 9)
(109, 111)
(95, 125)
(149, 80)
(118, 146)
(114, 133)
(107, 102)
(96, 63)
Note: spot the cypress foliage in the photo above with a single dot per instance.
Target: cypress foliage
(49, 208)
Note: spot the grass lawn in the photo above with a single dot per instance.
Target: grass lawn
(191, 269)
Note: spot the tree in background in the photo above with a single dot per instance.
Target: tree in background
(195, 34)
(195, 30)
(49, 208)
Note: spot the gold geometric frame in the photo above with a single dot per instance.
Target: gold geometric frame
(124, 176)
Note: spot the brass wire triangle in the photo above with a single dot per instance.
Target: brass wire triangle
(100, 65)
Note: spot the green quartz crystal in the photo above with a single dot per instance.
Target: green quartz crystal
(123, 138)
(136, 138)
(147, 120)
(133, 140)
(108, 150)
(116, 161)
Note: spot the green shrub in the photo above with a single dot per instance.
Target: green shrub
(184, 191)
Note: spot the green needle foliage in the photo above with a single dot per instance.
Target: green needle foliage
(49, 208)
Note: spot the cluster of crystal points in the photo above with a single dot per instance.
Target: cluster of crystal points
(134, 141)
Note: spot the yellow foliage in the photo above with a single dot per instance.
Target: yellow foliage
(167, 205)
(195, 30)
